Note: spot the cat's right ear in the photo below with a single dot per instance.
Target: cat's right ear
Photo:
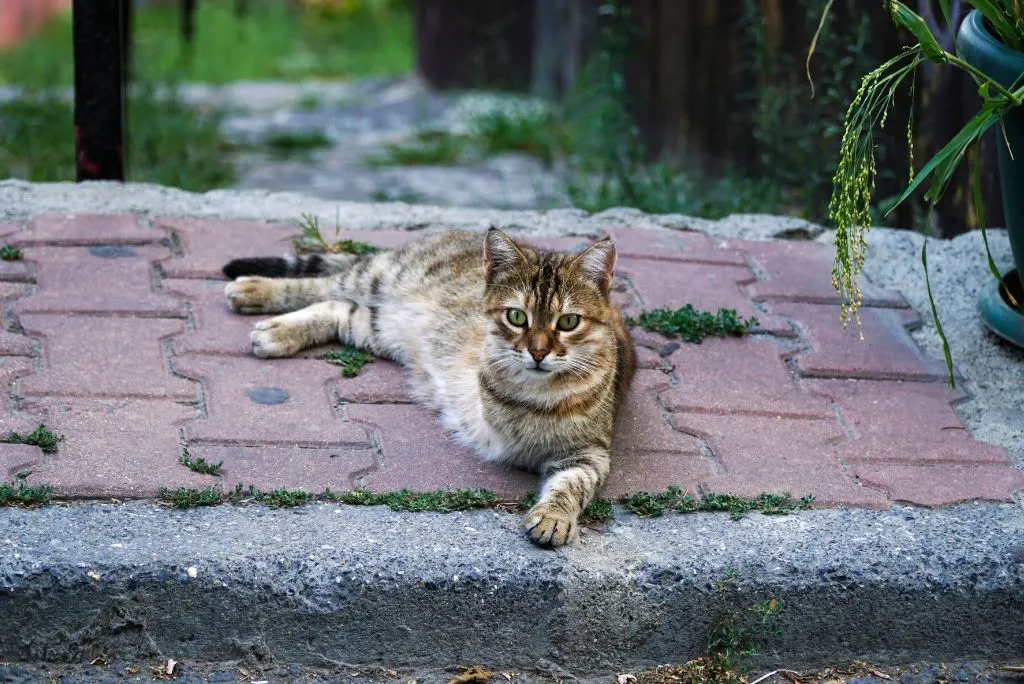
(500, 253)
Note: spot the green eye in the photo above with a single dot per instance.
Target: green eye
(568, 321)
(516, 317)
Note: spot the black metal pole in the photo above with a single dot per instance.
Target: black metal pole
(99, 89)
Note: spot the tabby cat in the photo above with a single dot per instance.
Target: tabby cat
(521, 352)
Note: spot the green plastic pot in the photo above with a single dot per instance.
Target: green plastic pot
(983, 50)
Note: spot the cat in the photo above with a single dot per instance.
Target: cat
(519, 350)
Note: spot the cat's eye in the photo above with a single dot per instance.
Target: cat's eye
(516, 317)
(568, 322)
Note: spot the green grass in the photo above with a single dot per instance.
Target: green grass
(41, 437)
(350, 359)
(311, 239)
(295, 145)
(673, 499)
(538, 134)
(408, 501)
(8, 253)
(274, 42)
(199, 465)
(692, 325)
(427, 148)
(24, 495)
(168, 142)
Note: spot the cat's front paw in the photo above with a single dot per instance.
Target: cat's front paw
(275, 338)
(551, 526)
(250, 294)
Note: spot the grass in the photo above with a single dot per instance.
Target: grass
(41, 437)
(183, 497)
(200, 464)
(427, 148)
(692, 325)
(168, 142)
(24, 495)
(311, 239)
(405, 500)
(9, 253)
(350, 359)
(673, 499)
(295, 145)
(274, 41)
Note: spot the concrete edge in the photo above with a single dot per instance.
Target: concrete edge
(329, 583)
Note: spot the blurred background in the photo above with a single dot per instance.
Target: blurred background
(700, 107)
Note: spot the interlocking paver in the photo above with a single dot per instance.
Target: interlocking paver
(380, 382)
(281, 402)
(647, 454)
(908, 422)
(104, 357)
(17, 458)
(114, 447)
(218, 330)
(886, 352)
(12, 270)
(12, 344)
(761, 454)
(86, 229)
(739, 375)
(941, 484)
(11, 367)
(705, 286)
(674, 246)
(802, 271)
(288, 467)
(418, 455)
(98, 280)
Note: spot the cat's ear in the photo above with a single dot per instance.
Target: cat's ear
(597, 263)
(500, 253)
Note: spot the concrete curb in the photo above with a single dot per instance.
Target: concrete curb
(329, 583)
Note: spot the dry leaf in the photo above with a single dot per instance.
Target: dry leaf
(98, 661)
(1014, 668)
(625, 679)
(132, 669)
(508, 675)
(879, 674)
(93, 575)
(169, 668)
(471, 675)
(193, 572)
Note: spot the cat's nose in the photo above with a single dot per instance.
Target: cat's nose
(539, 354)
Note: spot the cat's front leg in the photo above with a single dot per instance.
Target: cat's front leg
(572, 483)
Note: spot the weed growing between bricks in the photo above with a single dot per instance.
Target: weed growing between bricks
(674, 499)
(24, 495)
(8, 253)
(693, 325)
(310, 239)
(199, 464)
(41, 437)
(350, 359)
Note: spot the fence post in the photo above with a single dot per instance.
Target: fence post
(99, 89)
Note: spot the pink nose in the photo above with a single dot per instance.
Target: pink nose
(539, 354)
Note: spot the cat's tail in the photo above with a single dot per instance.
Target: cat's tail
(304, 266)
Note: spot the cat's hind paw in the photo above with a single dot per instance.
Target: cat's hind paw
(250, 294)
(275, 338)
(550, 526)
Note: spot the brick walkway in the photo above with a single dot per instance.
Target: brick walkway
(116, 334)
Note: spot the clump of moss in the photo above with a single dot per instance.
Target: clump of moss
(41, 437)
(693, 325)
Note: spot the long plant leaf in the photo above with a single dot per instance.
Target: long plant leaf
(913, 22)
(999, 22)
(814, 44)
(947, 12)
(935, 316)
(979, 213)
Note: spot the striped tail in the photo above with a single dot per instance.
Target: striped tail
(305, 266)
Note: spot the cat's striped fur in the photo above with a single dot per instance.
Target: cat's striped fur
(530, 395)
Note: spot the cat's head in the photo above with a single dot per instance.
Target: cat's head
(550, 312)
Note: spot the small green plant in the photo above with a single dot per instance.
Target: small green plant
(200, 464)
(282, 498)
(407, 196)
(674, 499)
(536, 133)
(733, 636)
(289, 145)
(24, 495)
(428, 147)
(350, 359)
(409, 501)
(41, 437)
(310, 239)
(9, 253)
(184, 497)
(691, 324)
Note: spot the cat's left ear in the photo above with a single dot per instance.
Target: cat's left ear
(597, 263)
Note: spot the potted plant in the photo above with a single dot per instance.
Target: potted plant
(990, 47)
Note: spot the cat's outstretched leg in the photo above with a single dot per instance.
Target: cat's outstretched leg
(337, 320)
(572, 483)
(256, 294)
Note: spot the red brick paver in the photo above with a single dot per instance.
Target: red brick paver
(115, 333)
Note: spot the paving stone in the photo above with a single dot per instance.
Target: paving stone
(104, 357)
(288, 467)
(673, 246)
(705, 286)
(904, 422)
(217, 330)
(12, 344)
(8, 229)
(114, 447)
(761, 454)
(746, 375)
(647, 454)
(12, 270)
(11, 367)
(941, 484)
(802, 271)
(305, 418)
(86, 229)
(87, 280)
(418, 455)
(15, 458)
(886, 352)
(380, 382)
